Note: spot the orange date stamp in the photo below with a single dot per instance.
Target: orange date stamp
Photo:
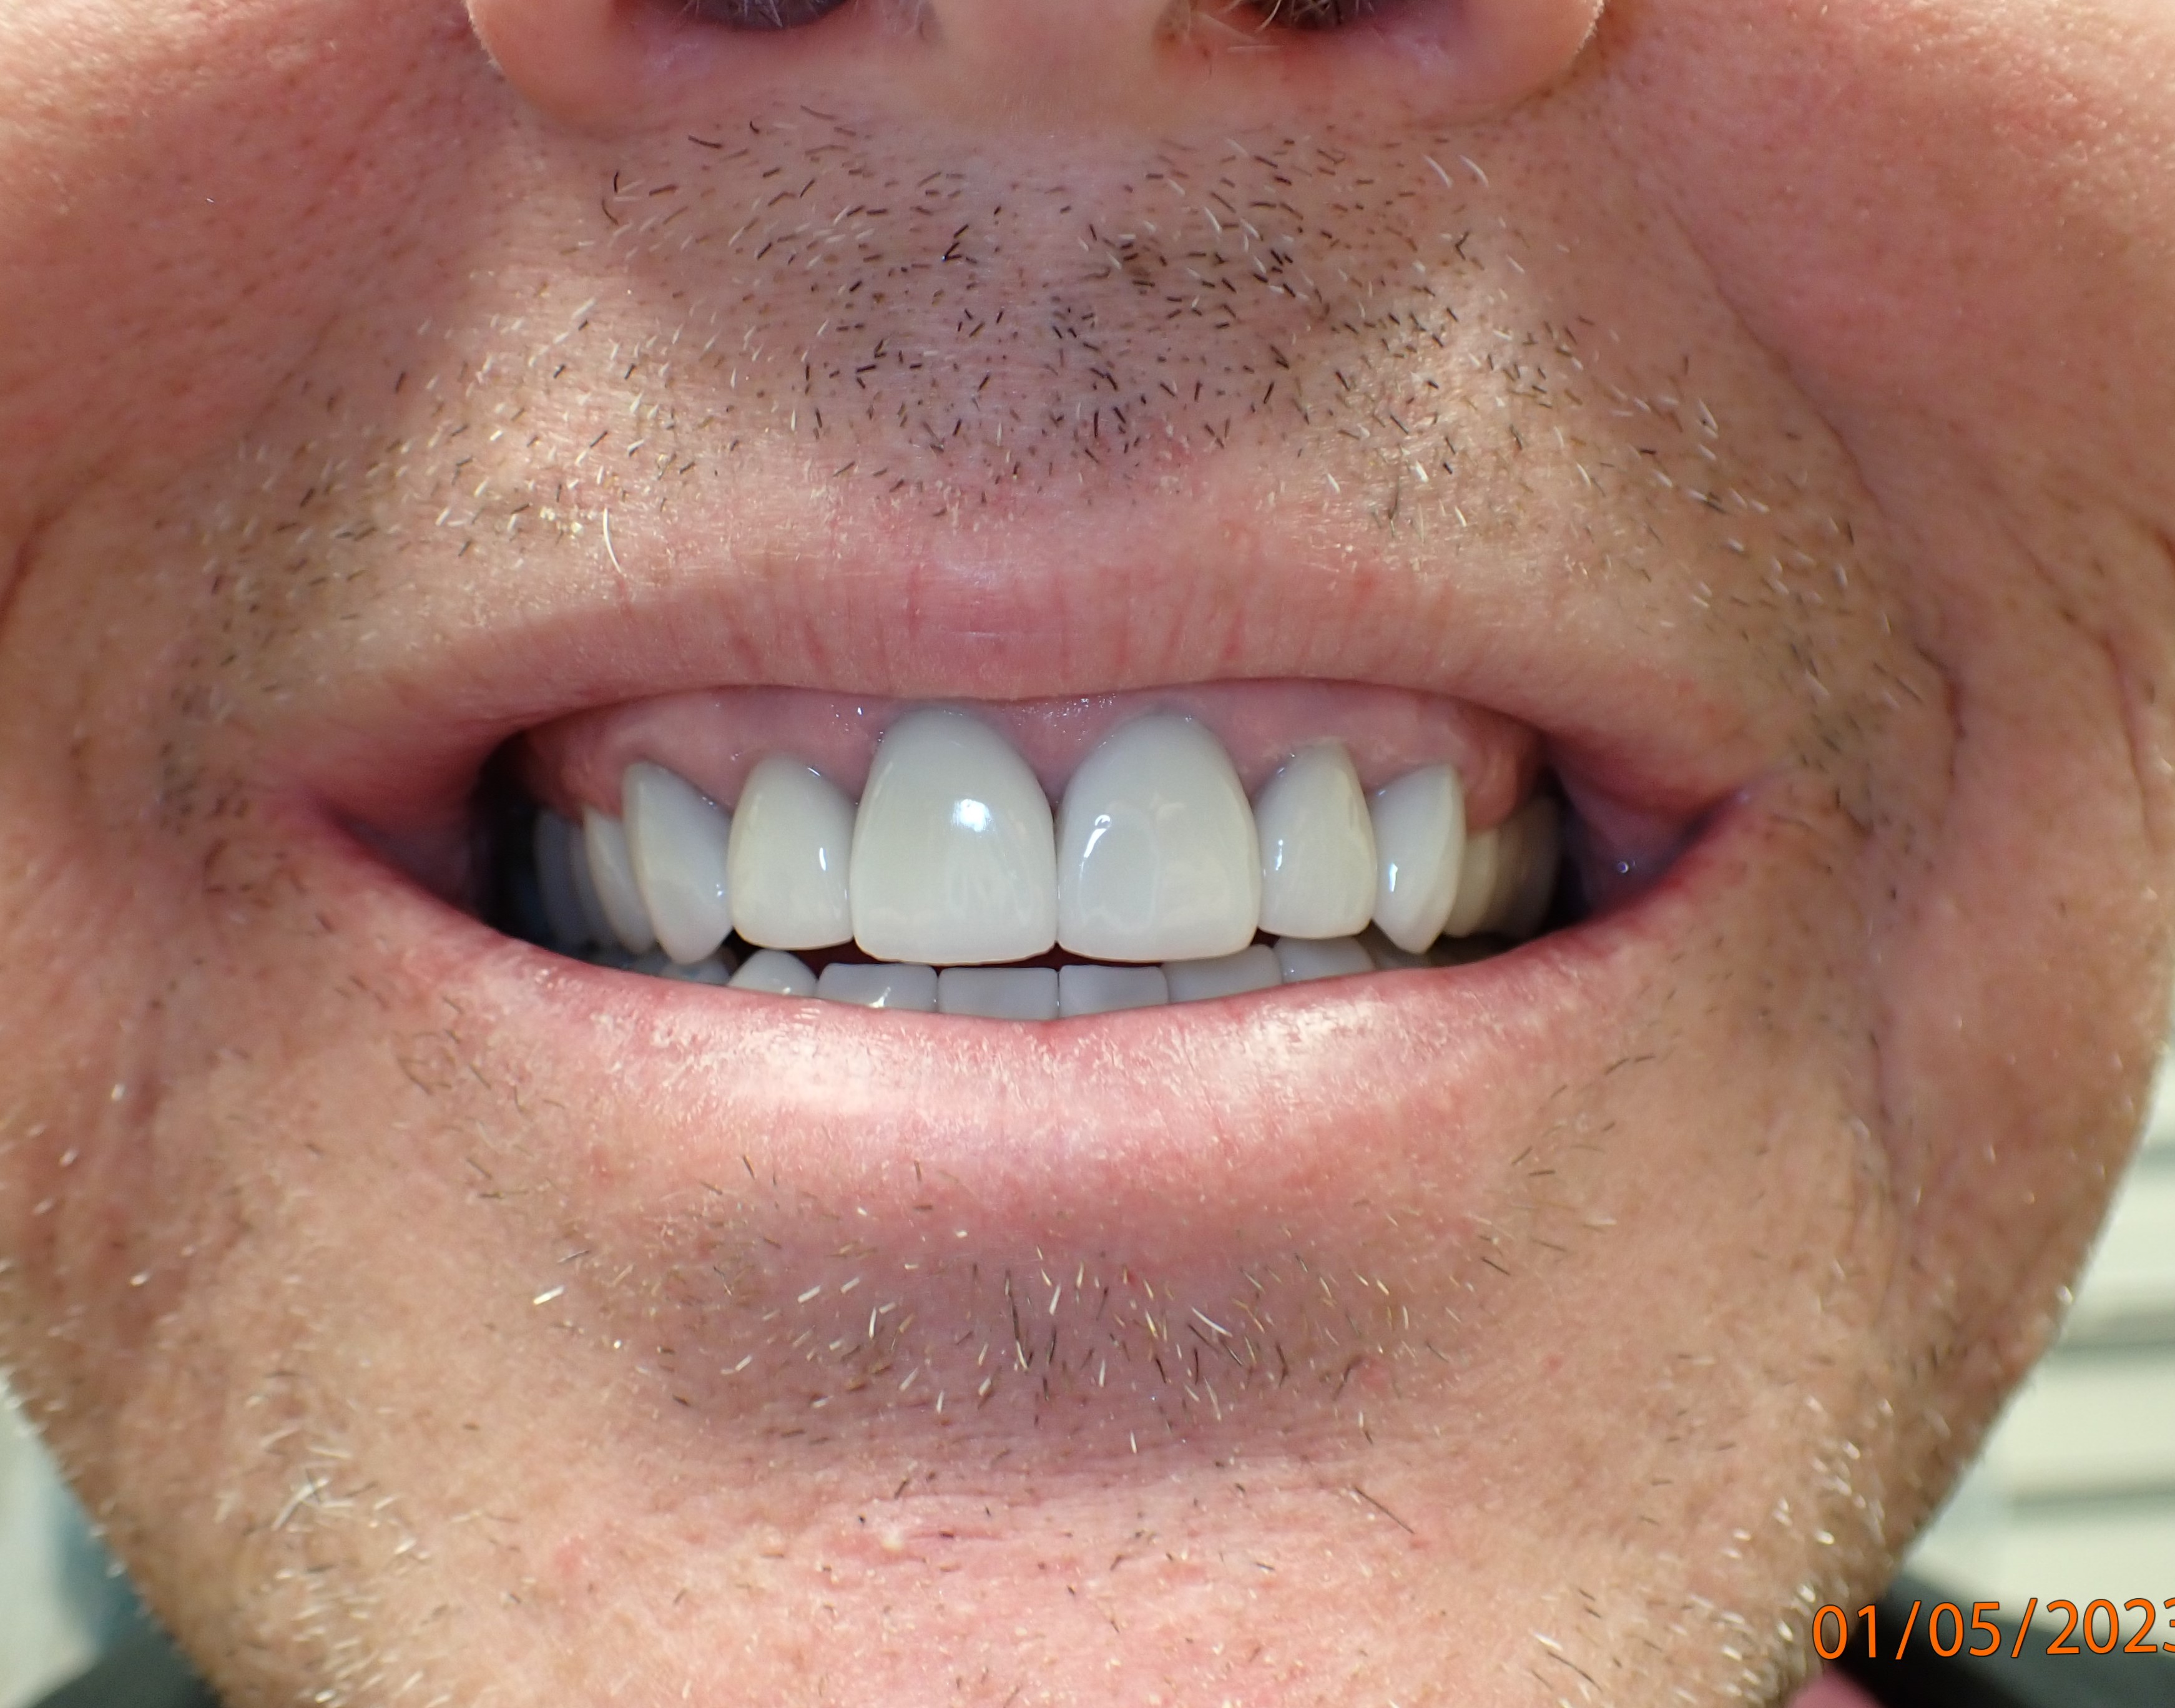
(2104, 1627)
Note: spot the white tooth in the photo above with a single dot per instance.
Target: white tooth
(1224, 975)
(597, 928)
(776, 972)
(1476, 883)
(714, 969)
(1533, 846)
(555, 877)
(952, 857)
(998, 992)
(1419, 839)
(1388, 957)
(1084, 988)
(880, 985)
(793, 834)
(611, 869)
(1317, 847)
(675, 838)
(1302, 958)
(1157, 856)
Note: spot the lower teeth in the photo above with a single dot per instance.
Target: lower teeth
(1058, 987)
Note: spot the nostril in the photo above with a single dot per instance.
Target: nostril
(1299, 14)
(758, 15)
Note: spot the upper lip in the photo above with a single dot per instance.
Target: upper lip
(395, 742)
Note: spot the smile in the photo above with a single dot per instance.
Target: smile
(1035, 860)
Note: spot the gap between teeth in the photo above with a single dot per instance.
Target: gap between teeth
(953, 859)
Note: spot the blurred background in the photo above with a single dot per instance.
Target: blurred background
(2075, 1495)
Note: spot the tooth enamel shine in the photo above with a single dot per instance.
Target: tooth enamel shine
(1420, 841)
(880, 985)
(1317, 847)
(793, 836)
(953, 858)
(1157, 854)
(676, 839)
(1302, 958)
(777, 973)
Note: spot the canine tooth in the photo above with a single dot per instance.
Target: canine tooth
(712, 969)
(776, 972)
(555, 877)
(1476, 883)
(1525, 889)
(1085, 988)
(998, 992)
(793, 834)
(953, 859)
(880, 985)
(1302, 958)
(1157, 858)
(1317, 847)
(611, 869)
(675, 838)
(1419, 839)
(1223, 975)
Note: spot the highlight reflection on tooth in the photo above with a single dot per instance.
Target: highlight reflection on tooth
(1476, 883)
(563, 915)
(676, 839)
(1085, 988)
(611, 869)
(953, 858)
(1419, 842)
(1317, 847)
(998, 992)
(1302, 958)
(880, 985)
(1157, 855)
(1223, 975)
(793, 835)
(777, 973)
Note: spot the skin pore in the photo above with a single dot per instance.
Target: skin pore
(1767, 403)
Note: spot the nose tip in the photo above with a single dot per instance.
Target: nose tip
(625, 65)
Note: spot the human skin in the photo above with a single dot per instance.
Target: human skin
(429, 1319)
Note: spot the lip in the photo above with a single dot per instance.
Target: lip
(782, 1150)
(1045, 606)
(1182, 1138)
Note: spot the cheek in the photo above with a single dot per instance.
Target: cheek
(165, 177)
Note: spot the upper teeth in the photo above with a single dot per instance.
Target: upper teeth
(1157, 855)
(953, 859)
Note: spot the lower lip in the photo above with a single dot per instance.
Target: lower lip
(1162, 1129)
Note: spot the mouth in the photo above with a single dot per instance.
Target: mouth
(1031, 860)
(1147, 976)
